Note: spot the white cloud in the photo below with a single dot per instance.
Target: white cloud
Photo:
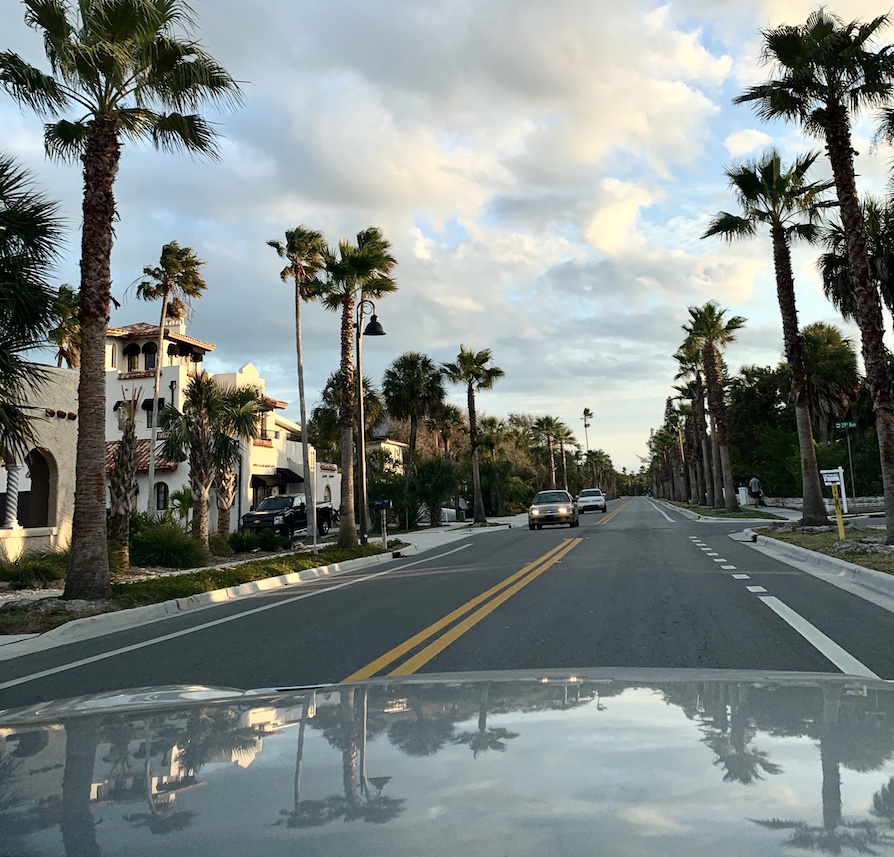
(745, 142)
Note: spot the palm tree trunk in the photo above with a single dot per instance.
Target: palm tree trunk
(153, 433)
(88, 563)
(309, 477)
(707, 497)
(477, 500)
(814, 509)
(868, 306)
(552, 460)
(411, 454)
(201, 474)
(714, 379)
(347, 528)
(225, 493)
(716, 475)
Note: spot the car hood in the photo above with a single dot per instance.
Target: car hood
(573, 762)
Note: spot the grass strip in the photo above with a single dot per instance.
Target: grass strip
(160, 589)
(749, 514)
(827, 543)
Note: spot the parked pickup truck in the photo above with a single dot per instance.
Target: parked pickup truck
(287, 514)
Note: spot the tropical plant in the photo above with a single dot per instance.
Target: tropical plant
(303, 251)
(827, 72)
(689, 360)
(353, 272)
(29, 238)
(709, 331)
(446, 422)
(413, 389)
(544, 433)
(474, 371)
(433, 480)
(176, 280)
(123, 482)
(132, 70)
(783, 200)
(207, 433)
(66, 335)
(324, 429)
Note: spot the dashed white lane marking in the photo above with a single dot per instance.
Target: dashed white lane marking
(694, 538)
(700, 544)
(666, 516)
(755, 589)
(710, 552)
(222, 621)
(741, 577)
(727, 567)
(721, 560)
(846, 662)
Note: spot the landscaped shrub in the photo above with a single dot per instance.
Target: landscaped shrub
(33, 570)
(220, 546)
(167, 545)
(244, 541)
(270, 540)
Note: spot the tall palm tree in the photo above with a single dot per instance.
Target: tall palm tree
(353, 272)
(66, 335)
(782, 199)
(303, 251)
(826, 72)
(545, 429)
(131, 70)
(123, 481)
(413, 389)
(325, 430)
(473, 369)
(587, 417)
(833, 382)
(709, 330)
(29, 239)
(202, 434)
(689, 360)
(176, 280)
(564, 436)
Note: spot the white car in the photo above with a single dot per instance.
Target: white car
(591, 500)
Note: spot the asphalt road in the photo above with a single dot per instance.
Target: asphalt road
(639, 587)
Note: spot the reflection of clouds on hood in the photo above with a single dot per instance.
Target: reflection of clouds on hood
(544, 172)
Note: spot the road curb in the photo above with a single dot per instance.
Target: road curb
(694, 516)
(838, 572)
(120, 620)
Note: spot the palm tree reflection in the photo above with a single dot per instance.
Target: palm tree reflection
(485, 740)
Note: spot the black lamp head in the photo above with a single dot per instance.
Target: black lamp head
(374, 328)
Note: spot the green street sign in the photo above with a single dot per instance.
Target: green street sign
(845, 425)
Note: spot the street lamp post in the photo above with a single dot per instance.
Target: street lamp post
(372, 329)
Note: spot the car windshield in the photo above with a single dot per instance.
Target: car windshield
(593, 492)
(274, 504)
(551, 497)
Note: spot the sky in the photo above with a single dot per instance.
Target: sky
(544, 172)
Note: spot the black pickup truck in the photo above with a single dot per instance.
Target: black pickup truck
(287, 514)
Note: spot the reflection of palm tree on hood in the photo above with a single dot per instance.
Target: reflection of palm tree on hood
(485, 739)
(78, 827)
(421, 736)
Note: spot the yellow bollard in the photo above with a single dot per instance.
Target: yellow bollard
(838, 518)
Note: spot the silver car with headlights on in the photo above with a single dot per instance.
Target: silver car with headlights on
(553, 507)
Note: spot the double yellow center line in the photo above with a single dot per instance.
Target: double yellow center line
(611, 515)
(489, 601)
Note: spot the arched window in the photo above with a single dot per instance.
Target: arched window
(150, 351)
(327, 494)
(132, 353)
(161, 496)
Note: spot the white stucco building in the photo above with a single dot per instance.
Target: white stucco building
(271, 462)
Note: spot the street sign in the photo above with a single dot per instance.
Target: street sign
(831, 477)
(845, 425)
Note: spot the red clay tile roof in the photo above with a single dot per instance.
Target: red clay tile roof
(268, 403)
(144, 329)
(161, 464)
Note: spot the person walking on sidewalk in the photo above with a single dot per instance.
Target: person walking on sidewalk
(756, 491)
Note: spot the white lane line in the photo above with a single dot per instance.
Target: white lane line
(721, 560)
(741, 577)
(707, 549)
(173, 636)
(728, 567)
(694, 538)
(846, 662)
(666, 516)
(755, 589)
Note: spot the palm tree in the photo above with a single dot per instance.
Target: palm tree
(131, 70)
(413, 388)
(709, 331)
(833, 383)
(324, 428)
(203, 433)
(587, 417)
(472, 369)
(783, 200)
(29, 237)
(484, 740)
(447, 422)
(351, 273)
(66, 335)
(303, 250)
(689, 359)
(545, 429)
(176, 280)
(123, 482)
(564, 436)
(826, 73)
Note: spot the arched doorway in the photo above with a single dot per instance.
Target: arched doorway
(39, 504)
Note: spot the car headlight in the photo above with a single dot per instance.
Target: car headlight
(278, 519)
(562, 510)
(535, 512)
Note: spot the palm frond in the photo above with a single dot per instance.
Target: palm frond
(64, 140)
(173, 131)
(30, 86)
(730, 226)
